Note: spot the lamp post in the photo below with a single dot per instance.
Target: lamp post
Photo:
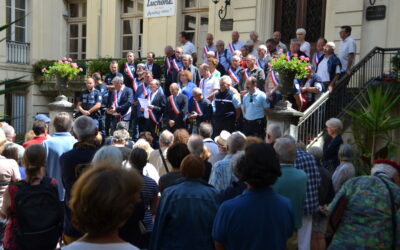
(224, 9)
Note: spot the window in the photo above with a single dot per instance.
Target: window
(132, 27)
(15, 108)
(16, 9)
(77, 30)
(195, 22)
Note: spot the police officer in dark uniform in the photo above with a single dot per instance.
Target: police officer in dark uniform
(226, 107)
(90, 101)
(101, 87)
(108, 80)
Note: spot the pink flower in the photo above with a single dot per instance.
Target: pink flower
(295, 55)
(287, 58)
(307, 59)
(43, 70)
(80, 69)
(69, 59)
(66, 62)
(302, 58)
(64, 58)
(269, 64)
(59, 61)
(308, 67)
(281, 51)
(74, 65)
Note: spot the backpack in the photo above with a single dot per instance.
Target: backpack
(39, 215)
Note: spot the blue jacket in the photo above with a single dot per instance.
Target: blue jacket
(185, 216)
(124, 102)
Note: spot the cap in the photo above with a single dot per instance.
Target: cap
(222, 138)
(388, 162)
(42, 117)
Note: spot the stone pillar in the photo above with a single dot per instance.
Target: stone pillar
(287, 119)
(60, 105)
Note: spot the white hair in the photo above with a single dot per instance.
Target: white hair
(384, 168)
(143, 144)
(120, 136)
(274, 131)
(317, 152)
(263, 47)
(285, 148)
(235, 142)
(211, 53)
(9, 130)
(254, 33)
(345, 152)
(188, 56)
(335, 124)
(331, 44)
(226, 79)
(118, 79)
(236, 58)
(166, 138)
(301, 30)
(108, 155)
(84, 127)
(195, 144)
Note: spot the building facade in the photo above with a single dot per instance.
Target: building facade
(88, 29)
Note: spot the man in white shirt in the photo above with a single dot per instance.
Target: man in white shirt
(188, 47)
(208, 84)
(210, 46)
(347, 49)
(235, 44)
(280, 45)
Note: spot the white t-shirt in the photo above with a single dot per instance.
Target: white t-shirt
(188, 48)
(79, 245)
(306, 48)
(149, 170)
(347, 46)
(209, 85)
(323, 70)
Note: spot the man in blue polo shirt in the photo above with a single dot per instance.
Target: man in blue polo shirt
(254, 105)
(90, 101)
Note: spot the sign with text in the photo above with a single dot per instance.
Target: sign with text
(376, 12)
(158, 8)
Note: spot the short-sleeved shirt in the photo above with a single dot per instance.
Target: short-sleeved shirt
(189, 48)
(149, 193)
(208, 85)
(257, 219)
(89, 99)
(347, 46)
(323, 70)
(110, 77)
(104, 93)
(254, 105)
(306, 48)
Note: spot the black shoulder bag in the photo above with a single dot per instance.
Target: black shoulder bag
(163, 160)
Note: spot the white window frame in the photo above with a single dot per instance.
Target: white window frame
(197, 11)
(136, 17)
(13, 18)
(80, 21)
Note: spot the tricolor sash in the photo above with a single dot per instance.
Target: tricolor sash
(144, 89)
(151, 114)
(231, 47)
(260, 63)
(134, 84)
(168, 63)
(289, 55)
(246, 74)
(273, 77)
(205, 50)
(176, 66)
(233, 75)
(201, 84)
(198, 108)
(115, 104)
(130, 73)
(174, 106)
(316, 59)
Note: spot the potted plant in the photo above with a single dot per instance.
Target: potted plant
(64, 70)
(288, 69)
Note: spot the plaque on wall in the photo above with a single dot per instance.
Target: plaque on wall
(376, 12)
(226, 25)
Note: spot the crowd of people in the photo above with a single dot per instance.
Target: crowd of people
(232, 88)
(191, 164)
(75, 189)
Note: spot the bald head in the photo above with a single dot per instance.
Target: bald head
(209, 39)
(235, 36)
(174, 89)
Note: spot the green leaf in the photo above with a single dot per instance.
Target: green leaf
(9, 90)
(5, 82)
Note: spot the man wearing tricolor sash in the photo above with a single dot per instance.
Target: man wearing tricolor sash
(200, 111)
(177, 108)
(235, 72)
(319, 54)
(155, 110)
(236, 44)
(210, 46)
(252, 70)
(137, 91)
(169, 56)
(142, 92)
(119, 103)
(263, 58)
(176, 64)
(129, 69)
(222, 54)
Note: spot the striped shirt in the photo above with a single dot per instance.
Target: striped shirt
(149, 193)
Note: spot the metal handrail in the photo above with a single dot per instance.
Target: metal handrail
(311, 125)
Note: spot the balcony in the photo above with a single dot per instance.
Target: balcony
(17, 52)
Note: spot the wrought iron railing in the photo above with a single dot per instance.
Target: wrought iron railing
(374, 65)
(18, 52)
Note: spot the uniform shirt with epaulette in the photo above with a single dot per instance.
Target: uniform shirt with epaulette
(104, 94)
(110, 77)
(89, 99)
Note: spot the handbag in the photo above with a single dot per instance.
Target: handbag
(338, 212)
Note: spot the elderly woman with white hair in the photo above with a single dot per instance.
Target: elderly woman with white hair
(345, 170)
(305, 46)
(364, 211)
(149, 170)
(334, 129)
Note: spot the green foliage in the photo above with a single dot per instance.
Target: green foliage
(283, 65)
(44, 63)
(396, 64)
(100, 65)
(65, 68)
(372, 121)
